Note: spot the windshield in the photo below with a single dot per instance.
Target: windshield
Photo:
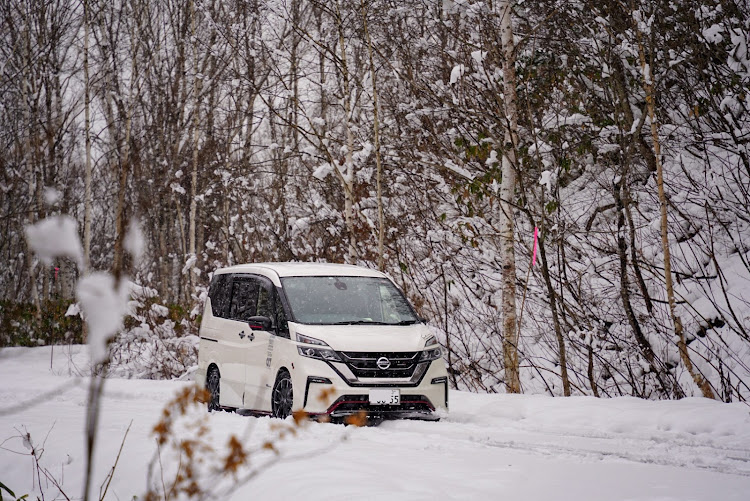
(347, 300)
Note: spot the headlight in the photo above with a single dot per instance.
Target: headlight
(430, 355)
(319, 350)
(318, 353)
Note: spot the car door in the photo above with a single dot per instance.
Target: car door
(258, 377)
(236, 340)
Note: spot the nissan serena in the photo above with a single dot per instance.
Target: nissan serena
(328, 339)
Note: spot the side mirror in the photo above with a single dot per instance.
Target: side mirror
(259, 323)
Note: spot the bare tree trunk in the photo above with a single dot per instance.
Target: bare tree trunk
(162, 228)
(348, 177)
(555, 319)
(590, 365)
(120, 216)
(293, 74)
(322, 73)
(648, 86)
(376, 135)
(227, 221)
(42, 213)
(124, 171)
(507, 195)
(640, 337)
(180, 294)
(194, 171)
(30, 165)
(87, 125)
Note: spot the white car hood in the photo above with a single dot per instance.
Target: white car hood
(367, 337)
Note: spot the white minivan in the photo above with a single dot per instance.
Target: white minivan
(329, 339)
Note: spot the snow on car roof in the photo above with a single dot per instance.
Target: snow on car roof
(303, 269)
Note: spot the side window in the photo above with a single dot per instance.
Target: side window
(219, 294)
(244, 298)
(281, 320)
(264, 302)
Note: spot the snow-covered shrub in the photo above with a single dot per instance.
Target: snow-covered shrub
(156, 342)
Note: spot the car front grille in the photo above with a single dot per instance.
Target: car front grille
(365, 364)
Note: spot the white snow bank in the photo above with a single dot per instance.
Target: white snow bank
(487, 447)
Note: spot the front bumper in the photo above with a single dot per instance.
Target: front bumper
(325, 392)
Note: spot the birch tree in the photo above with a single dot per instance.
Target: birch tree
(648, 87)
(87, 134)
(29, 159)
(191, 257)
(348, 174)
(507, 198)
(376, 136)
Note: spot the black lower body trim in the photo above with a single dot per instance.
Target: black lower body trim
(442, 380)
(314, 380)
(411, 407)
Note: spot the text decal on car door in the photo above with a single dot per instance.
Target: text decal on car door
(269, 354)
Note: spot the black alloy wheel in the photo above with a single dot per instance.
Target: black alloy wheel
(212, 385)
(282, 396)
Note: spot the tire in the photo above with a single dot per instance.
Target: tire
(282, 396)
(213, 387)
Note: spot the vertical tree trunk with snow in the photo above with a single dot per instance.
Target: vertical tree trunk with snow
(28, 156)
(648, 87)
(322, 70)
(162, 229)
(87, 133)
(376, 136)
(348, 174)
(553, 303)
(194, 169)
(507, 195)
(41, 210)
(118, 263)
(121, 217)
(643, 343)
(294, 77)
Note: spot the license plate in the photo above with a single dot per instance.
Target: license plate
(385, 397)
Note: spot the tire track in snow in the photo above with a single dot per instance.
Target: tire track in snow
(699, 457)
(674, 451)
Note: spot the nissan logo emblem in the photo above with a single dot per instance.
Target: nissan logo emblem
(383, 363)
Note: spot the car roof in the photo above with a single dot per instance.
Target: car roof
(290, 269)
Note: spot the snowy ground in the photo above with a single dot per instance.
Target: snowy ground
(488, 447)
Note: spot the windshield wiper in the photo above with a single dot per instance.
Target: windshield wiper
(373, 322)
(360, 322)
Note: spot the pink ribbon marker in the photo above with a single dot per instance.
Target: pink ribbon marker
(536, 238)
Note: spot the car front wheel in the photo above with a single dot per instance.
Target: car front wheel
(212, 386)
(282, 396)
